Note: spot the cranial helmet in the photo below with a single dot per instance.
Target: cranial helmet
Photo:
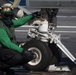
(7, 11)
(7, 5)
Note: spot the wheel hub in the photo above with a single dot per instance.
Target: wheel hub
(37, 56)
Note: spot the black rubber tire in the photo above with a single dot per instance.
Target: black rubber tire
(56, 52)
(46, 55)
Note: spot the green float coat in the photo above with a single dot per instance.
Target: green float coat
(7, 35)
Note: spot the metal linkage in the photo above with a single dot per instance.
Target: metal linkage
(56, 40)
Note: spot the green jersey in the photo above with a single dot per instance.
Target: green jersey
(4, 37)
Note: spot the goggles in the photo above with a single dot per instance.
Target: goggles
(7, 9)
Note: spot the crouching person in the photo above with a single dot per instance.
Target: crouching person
(10, 53)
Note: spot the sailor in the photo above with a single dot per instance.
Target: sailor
(10, 53)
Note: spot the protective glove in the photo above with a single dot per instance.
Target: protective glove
(27, 56)
(36, 14)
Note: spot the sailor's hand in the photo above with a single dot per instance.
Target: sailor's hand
(27, 56)
(36, 14)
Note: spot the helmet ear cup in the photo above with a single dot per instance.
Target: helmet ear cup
(18, 13)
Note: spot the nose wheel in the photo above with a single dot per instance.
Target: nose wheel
(42, 55)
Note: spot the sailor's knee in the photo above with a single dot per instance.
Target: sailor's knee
(17, 58)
